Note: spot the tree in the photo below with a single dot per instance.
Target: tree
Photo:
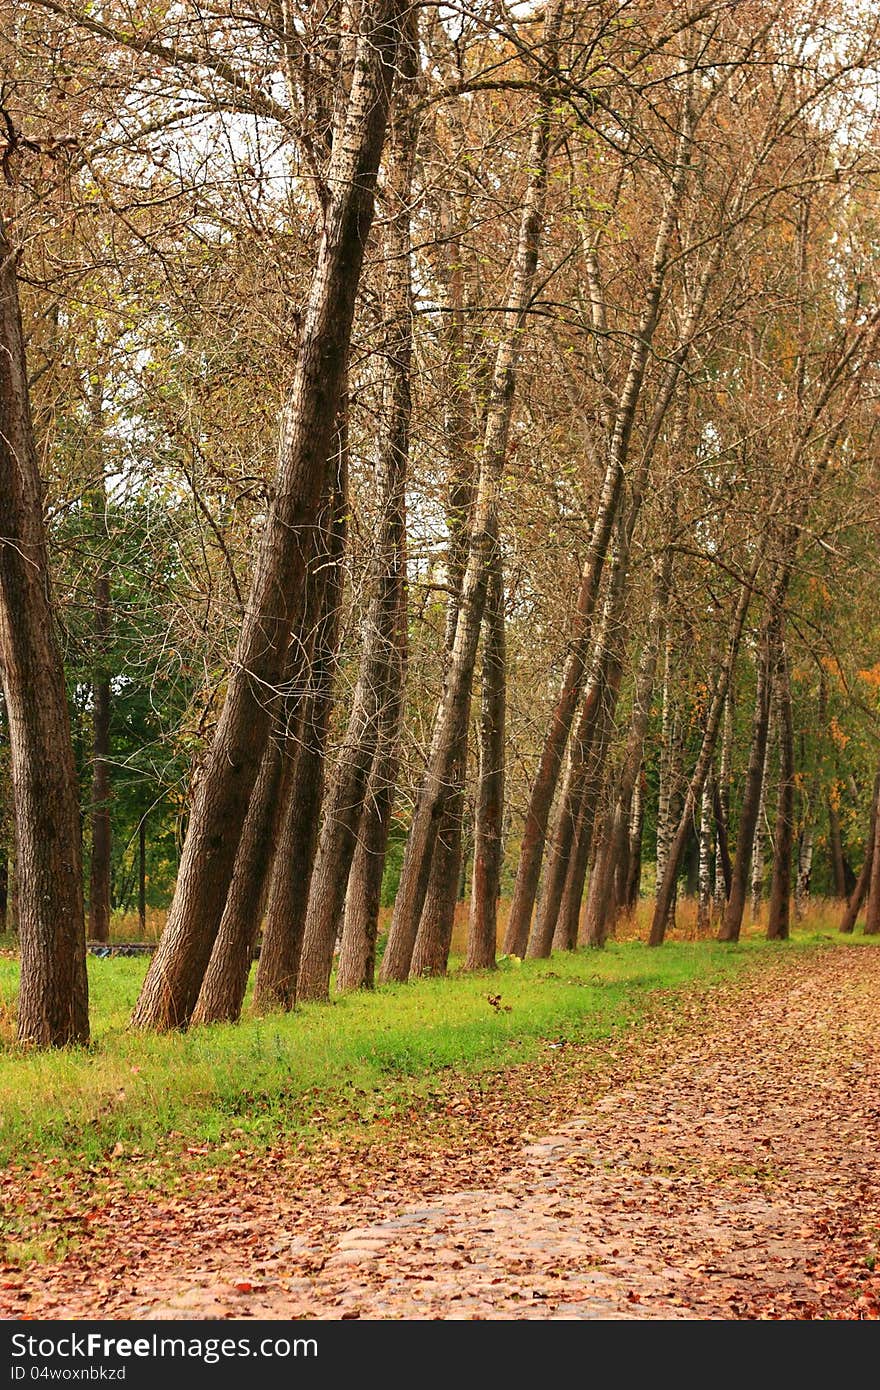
(53, 994)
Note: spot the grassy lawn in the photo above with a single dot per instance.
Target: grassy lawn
(362, 1057)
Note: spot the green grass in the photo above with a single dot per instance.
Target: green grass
(355, 1060)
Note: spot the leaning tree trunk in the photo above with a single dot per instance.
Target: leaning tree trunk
(379, 668)
(565, 936)
(733, 913)
(53, 993)
(297, 836)
(452, 712)
(779, 910)
(275, 602)
(489, 828)
(583, 771)
(624, 840)
(666, 889)
(621, 420)
(357, 952)
(225, 983)
(568, 823)
(860, 891)
(568, 835)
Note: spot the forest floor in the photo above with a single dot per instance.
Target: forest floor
(721, 1162)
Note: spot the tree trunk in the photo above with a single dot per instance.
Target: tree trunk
(437, 922)
(452, 712)
(756, 873)
(275, 602)
(288, 896)
(721, 801)
(780, 883)
(872, 912)
(704, 902)
(620, 422)
(835, 847)
(624, 839)
(805, 869)
(665, 828)
(225, 984)
(565, 837)
(379, 666)
(733, 913)
(53, 994)
(666, 889)
(636, 829)
(489, 828)
(357, 954)
(863, 881)
(568, 922)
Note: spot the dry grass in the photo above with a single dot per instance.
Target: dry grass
(823, 914)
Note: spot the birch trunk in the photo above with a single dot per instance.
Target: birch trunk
(779, 910)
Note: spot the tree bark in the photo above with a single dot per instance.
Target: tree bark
(636, 829)
(859, 893)
(452, 712)
(379, 666)
(704, 902)
(733, 913)
(357, 953)
(437, 922)
(275, 602)
(666, 889)
(756, 872)
(489, 827)
(872, 911)
(721, 801)
(805, 869)
(620, 433)
(568, 922)
(225, 984)
(624, 838)
(288, 896)
(567, 831)
(53, 993)
(779, 910)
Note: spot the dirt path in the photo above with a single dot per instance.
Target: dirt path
(724, 1164)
